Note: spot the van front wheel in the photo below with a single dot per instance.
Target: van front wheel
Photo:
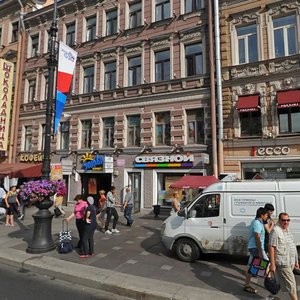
(187, 250)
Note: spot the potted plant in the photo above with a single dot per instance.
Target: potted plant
(39, 192)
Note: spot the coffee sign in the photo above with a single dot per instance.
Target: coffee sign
(31, 157)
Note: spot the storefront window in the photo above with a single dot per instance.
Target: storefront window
(164, 193)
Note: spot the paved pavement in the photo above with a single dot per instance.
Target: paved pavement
(132, 264)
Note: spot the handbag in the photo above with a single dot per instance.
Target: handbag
(65, 239)
(57, 212)
(271, 284)
(258, 267)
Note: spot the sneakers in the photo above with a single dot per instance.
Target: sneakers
(115, 231)
(21, 217)
(107, 231)
(83, 256)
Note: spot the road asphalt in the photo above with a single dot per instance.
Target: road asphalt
(132, 263)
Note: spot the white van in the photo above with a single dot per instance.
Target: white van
(218, 220)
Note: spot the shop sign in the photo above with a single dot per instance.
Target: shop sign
(91, 162)
(31, 157)
(268, 151)
(109, 164)
(6, 83)
(164, 161)
(56, 172)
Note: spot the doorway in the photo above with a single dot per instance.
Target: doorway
(134, 180)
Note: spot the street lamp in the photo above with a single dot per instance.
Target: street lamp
(52, 62)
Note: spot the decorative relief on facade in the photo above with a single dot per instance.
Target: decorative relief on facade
(283, 65)
(87, 60)
(133, 50)
(288, 83)
(248, 88)
(191, 36)
(109, 55)
(161, 43)
(285, 8)
(244, 72)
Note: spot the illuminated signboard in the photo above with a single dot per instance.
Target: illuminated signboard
(6, 77)
(164, 161)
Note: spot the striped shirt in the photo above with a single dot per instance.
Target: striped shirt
(286, 250)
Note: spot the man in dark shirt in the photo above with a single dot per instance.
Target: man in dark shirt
(89, 229)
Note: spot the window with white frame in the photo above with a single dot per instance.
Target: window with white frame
(34, 45)
(111, 22)
(289, 119)
(162, 65)
(110, 70)
(91, 28)
(162, 129)
(134, 70)
(64, 135)
(27, 138)
(86, 133)
(194, 59)
(135, 14)
(162, 9)
(14, 32)
(108, 132)
(88, 79)
(247, 43)
(42, 134)
(70, 34)
(31, 90)
(285, 36)
(195, 126)
(192, 5)
(134, 131)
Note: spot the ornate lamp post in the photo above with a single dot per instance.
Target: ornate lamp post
(42, 237)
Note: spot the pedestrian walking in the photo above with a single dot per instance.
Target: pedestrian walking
(79, 213)
(128, 206)
(111, 202)
(269, 224)
(283, 255)
(12, 204)
(175, 203)
(256, 244)
(102, 208)
(23, 202)
(90, 225)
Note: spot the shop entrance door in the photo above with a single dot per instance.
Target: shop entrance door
(135, 183)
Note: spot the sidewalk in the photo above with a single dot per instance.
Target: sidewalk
(132, 264)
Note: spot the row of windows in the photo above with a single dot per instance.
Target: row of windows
(134, 74)
(135, 13)
(194, 125)
(289, 121)
(284, 38)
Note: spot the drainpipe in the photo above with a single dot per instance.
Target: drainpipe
(14, 129)
(219, 86)
(212, 91)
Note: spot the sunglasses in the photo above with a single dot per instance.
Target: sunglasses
(285, 220)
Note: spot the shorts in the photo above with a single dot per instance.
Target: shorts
(287, 279)
(254, 253)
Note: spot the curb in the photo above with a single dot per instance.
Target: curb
(110, 281)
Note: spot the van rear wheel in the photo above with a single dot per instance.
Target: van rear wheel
(187, 250)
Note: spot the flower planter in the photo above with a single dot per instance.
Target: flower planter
(42, 232)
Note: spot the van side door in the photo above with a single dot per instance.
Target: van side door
(205, 222)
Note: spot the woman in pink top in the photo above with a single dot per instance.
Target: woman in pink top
(79, 213)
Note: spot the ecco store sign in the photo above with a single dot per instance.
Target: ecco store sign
(268, 151)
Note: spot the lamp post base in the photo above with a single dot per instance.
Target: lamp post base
(42, 236)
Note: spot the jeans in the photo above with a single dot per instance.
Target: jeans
(111, 211)
(80, 228)
(88, 240)
(127, 214)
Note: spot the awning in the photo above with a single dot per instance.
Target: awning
(20, 170)
(248, 103)
(289, 98)
(194, 182)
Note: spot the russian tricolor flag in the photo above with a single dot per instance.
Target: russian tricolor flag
(66, 65)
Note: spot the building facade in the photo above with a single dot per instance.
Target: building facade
(139, 110)
(261, 88)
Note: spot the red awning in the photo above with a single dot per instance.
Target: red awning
(248, 103)
(288, 98)
(20, 170)
(193, 182)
